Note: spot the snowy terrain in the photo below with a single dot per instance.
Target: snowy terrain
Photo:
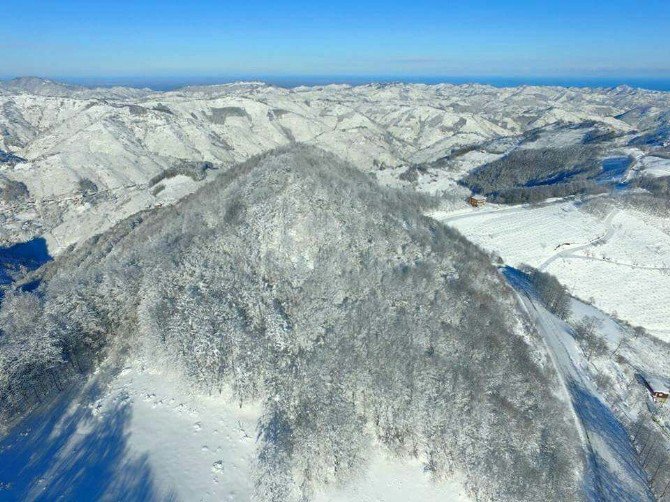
(655, 166)
(146, 436)
(235, 288)
(56, 137)
(614, 468)
(620, 260)
(74, 162)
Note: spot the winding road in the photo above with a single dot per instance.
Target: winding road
(613, 466)
(565, 253)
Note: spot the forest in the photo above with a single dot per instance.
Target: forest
(532, 175)
(295, 280)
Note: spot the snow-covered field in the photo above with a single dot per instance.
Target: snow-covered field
(196, 447)
(523, 234)
(620, 261)
(388, 479)
(654, 166)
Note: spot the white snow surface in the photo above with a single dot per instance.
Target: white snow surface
(615, 471)
(197, 447)
(120, 138)
(389, 479)
(654, 166)
(620, 262)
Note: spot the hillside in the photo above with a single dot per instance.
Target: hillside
(88, 157)
(295, 326)
(296, 284)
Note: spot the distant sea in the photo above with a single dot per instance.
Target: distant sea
(170, 83)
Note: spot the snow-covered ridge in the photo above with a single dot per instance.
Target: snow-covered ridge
(238, 286)
(75, 161)
(118, 138)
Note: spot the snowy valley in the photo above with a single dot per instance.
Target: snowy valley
(247, 292)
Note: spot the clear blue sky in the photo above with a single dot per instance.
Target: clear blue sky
(67, 38)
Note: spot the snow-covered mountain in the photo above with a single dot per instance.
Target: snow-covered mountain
(244, 291)
(115, 141)
(297, 284)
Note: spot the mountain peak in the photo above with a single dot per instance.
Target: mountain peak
(296, 280)
(39, 86)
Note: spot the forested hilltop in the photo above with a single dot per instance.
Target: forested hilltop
(296, 280)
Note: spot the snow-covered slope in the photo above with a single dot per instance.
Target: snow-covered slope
(615, 470)
(144, 435)
(351, 321)
(618, 258)
(453, 416)
(120, 138)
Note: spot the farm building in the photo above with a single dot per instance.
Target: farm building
(659, 389)
(476, 200)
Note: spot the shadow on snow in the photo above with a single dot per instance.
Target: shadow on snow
(613, 457)
(600, 422)
(16, 259)
(63, 451)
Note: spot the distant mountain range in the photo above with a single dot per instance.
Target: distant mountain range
(87, 156)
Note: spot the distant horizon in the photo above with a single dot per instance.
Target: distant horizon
(167, 44)
(168, 83)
